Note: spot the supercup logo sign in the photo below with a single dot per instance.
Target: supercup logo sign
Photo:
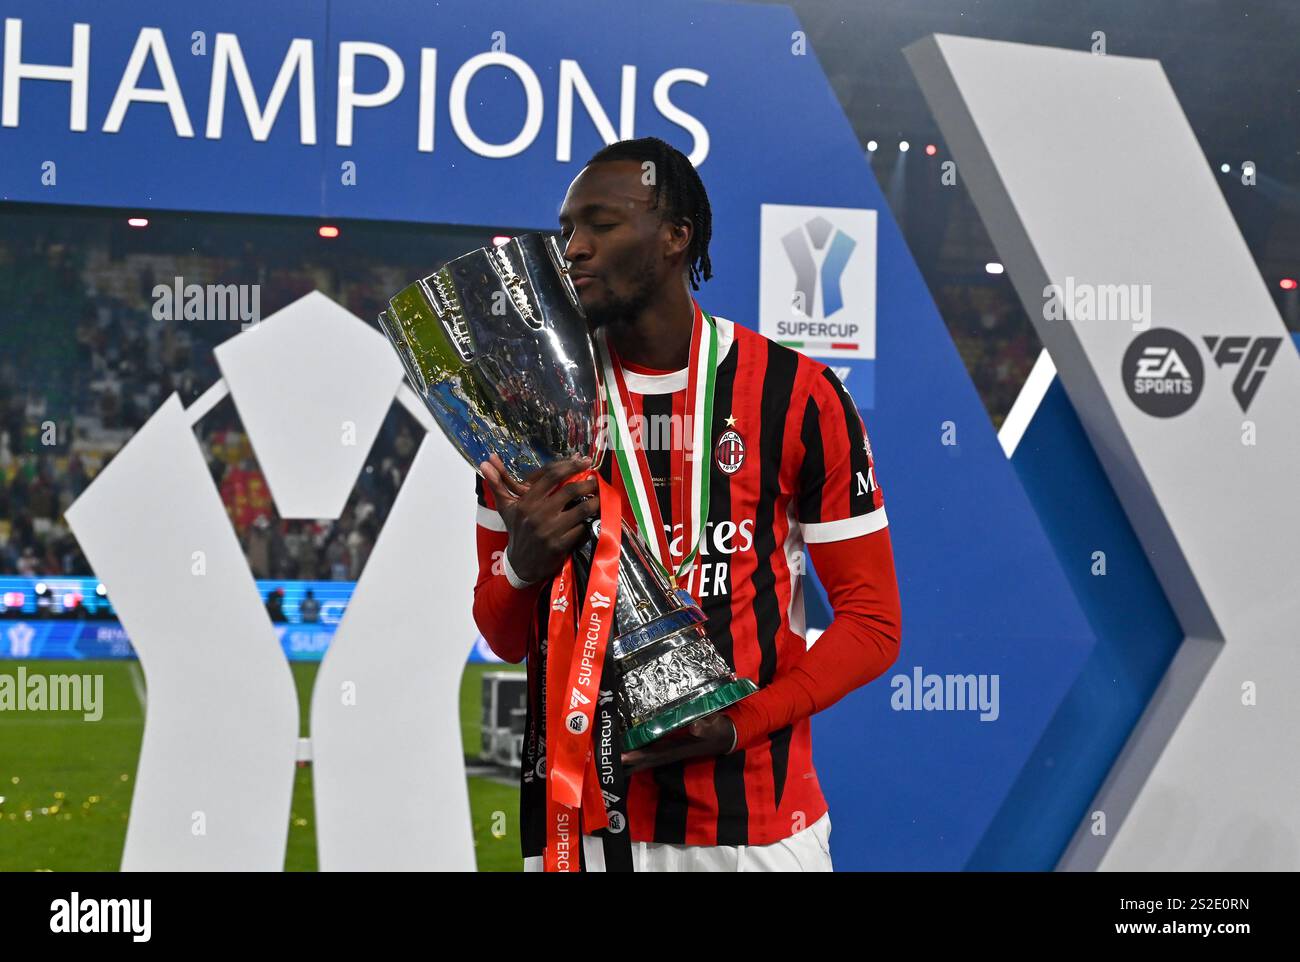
(817, 275)
(1163, 373)
(20, 640)
(312, 385)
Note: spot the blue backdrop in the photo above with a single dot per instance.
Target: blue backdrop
(983, 590)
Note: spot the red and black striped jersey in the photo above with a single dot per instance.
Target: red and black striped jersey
(790, 465)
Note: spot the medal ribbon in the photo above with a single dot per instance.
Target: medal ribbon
(691, 465)
(575, 659)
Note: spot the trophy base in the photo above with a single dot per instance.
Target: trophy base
(687, 712)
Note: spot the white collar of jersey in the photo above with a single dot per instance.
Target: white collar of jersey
(676, 380)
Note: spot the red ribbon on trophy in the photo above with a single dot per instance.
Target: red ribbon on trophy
(575, 656)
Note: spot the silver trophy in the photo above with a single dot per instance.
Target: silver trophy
(497, 345)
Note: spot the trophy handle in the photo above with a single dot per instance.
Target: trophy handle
(562, 268)
(514, 285)
(441, 295)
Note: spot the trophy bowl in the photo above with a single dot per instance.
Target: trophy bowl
(497, 345)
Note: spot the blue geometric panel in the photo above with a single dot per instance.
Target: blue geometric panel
(1137, 636)
(983, 592)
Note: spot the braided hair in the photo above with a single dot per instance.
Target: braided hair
(687, 200)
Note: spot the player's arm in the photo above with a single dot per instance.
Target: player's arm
(523, 534)
(842, 515)
(860, 644)
(503, 610)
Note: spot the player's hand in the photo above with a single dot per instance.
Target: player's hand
(711, 735)
(543, 531)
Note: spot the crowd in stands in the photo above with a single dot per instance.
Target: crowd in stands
(85, 364)
(996, 341)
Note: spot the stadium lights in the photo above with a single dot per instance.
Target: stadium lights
(327, 230)
(904, 146)
(101, 590)
(41, 588)
(871, 146)
(1287, 283)
(1225, 168)
(931, 150)
(993, 267)
(137, 222)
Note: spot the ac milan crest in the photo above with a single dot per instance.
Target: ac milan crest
(729, 452)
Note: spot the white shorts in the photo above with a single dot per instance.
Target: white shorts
(805, 851)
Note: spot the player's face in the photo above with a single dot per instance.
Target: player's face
(614, 241)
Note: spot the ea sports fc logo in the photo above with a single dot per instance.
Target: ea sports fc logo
(729, 452)
(1163, 372)
(576, 720)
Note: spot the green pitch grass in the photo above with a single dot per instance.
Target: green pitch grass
(66, 783)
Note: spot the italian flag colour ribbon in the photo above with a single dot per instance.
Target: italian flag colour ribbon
(689, 462)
